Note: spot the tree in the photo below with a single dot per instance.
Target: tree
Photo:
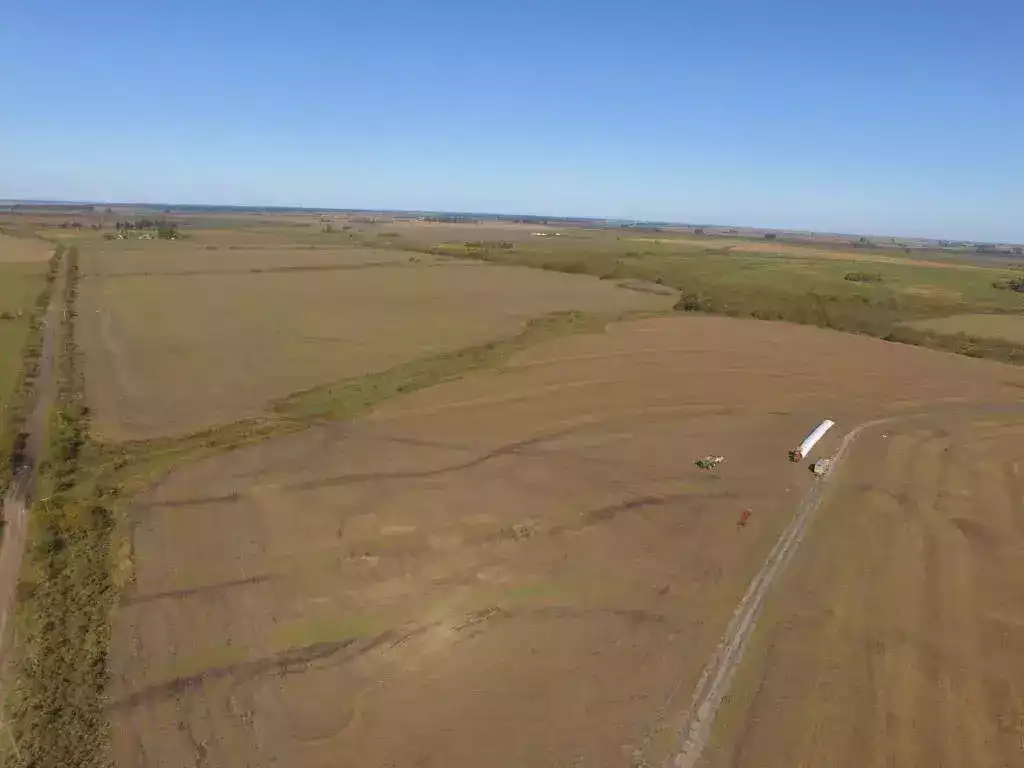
(770, 235)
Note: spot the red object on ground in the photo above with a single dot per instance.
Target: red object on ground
(743, 518)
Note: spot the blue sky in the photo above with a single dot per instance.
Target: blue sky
(895, 117)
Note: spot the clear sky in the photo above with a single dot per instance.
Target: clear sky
(882, 116)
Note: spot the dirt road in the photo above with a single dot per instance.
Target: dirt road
(717, 676)
(897, 638)
(18, 498)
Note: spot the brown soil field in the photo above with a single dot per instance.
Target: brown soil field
(154, 258)
(897, 636)
(523, 567)
(228, 332)
(17, 249)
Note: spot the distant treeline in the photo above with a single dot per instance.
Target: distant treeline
(145, 224)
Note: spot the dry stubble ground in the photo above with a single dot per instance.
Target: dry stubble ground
(522, 567)
(23, 249)
(897, 637)
(179, 338)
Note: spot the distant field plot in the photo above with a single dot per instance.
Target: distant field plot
(1007, 327)
(181, 340)
(533, 547)
(20, 249)
(801, 251)
(142, 258)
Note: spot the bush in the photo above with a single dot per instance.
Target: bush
(503, 245)
(1013, 284)
(694, 302)
(863, 277)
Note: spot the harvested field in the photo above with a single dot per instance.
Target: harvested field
(521, 567)
(21, 249)
(133, 258)
(228, 332)
(897, 636)
(1007, 327)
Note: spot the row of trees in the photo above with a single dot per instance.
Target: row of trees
(122, 226)
(165, 229)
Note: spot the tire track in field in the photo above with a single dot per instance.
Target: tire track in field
(717, 675)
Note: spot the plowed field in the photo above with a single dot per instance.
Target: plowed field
(524, 567)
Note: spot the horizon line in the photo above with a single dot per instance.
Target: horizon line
(329, 209)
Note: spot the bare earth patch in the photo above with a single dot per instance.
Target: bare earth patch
(522, 567)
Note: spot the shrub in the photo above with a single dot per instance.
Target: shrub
(694, 302)
(863, 277)
(1012, 284)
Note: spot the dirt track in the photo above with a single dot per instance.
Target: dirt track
(18, 498)
(717, 676)
(897, 636)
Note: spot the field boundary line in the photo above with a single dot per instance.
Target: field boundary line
(717, 676)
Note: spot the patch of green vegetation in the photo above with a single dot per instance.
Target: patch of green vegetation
(1010, 284)
(794, 286)
(994, 337)
(303, 633)
(863, 277)
(1003, 327)
(534, 592)
(354, 397)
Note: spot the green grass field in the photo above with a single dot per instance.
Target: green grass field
(774, 281)
(1004, 327)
